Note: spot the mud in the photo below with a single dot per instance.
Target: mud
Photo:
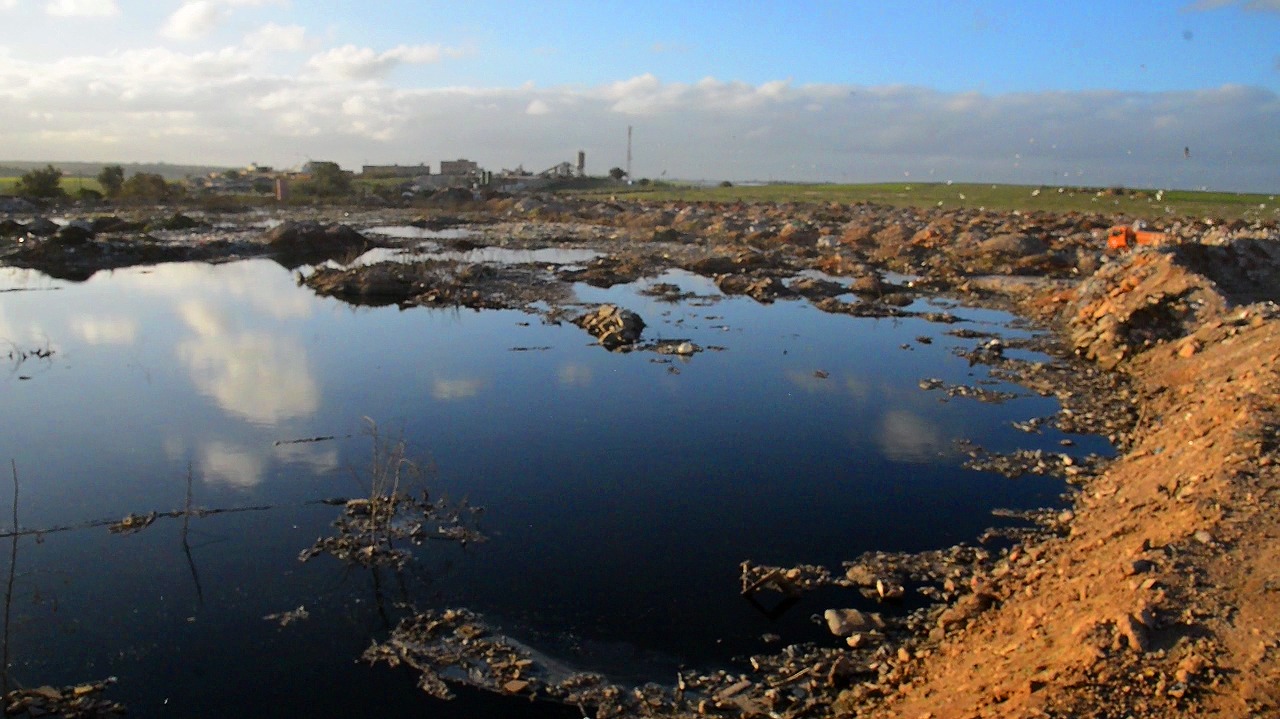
(1156, 595)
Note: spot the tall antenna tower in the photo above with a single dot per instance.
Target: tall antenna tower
(628, 154)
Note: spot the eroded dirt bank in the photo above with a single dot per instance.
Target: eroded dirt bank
(1158, 595)
(1164, 598)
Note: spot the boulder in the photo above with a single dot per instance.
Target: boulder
(847, 622)
(41, 227)
(74, 233)
(9, 228)
(1012, 245)
(176, 221)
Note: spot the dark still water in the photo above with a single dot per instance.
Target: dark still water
(621, 493)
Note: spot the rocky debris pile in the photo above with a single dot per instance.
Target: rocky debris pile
(308, 242)
(1145, 299)
(613, 270)
(176, 222)
(80, 701)
(371, 531)
(760, 289)
(668, 292)
(616, 329)
(1028, 462)
(1245, 270)
(440, 283)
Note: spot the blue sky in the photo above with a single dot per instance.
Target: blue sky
(1106, 93)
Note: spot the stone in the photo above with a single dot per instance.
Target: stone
(1138, 566)
(1133, 632)
(845, 622)
(515, 686)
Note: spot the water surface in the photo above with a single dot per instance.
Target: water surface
(621, 490)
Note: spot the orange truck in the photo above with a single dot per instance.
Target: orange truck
(1122, 236)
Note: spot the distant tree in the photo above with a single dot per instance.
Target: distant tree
(232, 174)
(328, 179)
(643, 181)
(149, 187)
(617, 173)
(264, 185)
(112, 179)
(41, 183)
(726, 183)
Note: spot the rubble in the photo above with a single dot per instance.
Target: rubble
(616, 329)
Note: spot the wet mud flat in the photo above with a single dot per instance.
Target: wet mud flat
(1154, 595)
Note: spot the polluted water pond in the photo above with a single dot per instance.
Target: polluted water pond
(622, 491)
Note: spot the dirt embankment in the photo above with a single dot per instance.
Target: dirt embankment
(1164, 599)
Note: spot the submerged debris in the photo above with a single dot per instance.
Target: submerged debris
(368, 529)
(284, 619)
(79, 701)
(132, 523)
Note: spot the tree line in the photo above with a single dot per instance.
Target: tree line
(46, 183)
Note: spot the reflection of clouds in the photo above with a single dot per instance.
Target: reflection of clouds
(26, 336)
(450, 389)
(254, 283)
(574, 375)
(809, 382)
(223, 463)
(320, 457)
(907, 437)
(857, 389)
(105, 330)
(263, 377)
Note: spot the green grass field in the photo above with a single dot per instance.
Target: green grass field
(71, 185)
(1146, 204)
(1135, 203)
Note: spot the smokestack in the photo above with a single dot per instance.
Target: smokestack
(582, 164)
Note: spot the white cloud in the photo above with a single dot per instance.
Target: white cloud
(193, 19)
(81, 8)
(222, 107)
(8, 4)
(537, 107)
(273, 37)
(197, 18)
(364, 63)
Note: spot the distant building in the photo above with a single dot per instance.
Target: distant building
(563, 169)
(457, 168)
(405, 171)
